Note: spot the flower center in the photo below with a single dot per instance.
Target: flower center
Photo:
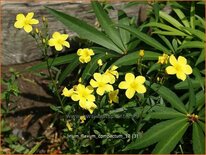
(26, 22)
(133, 85)
(178, 67)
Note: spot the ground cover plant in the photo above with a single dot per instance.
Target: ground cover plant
(131, 88)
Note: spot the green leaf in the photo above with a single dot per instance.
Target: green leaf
(84, 30)
(201, 58)
(170, 19)
(192, 15)
(167, 42)
(123, 19)
(202, 21)
(169, 96)
(182, 17)
(168, 33)
(107, 24)
(200, 99)
(192, 44)
(166, 27)
(68, 70)
(169, 113)
(132, 58)
(156, 8)
(35, 148)
(168, 143)
(198, 77)
(192, 99)
(198, 139)
(58, 61)
(184, 84)
(154, 67)
(202, 125)
(156, 133)
(199, 34)
(145, 38)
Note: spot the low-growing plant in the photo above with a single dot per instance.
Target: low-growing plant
(126, 91)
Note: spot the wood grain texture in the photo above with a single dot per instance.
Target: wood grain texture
(19, 47)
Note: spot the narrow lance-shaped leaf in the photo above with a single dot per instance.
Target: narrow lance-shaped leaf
(198, 139)
(166, 27)
(192, 44)
(84, 30)
(145, 38)
(182, 17)
(170, 19)
(168, 143)
(58, 61)
(169, 96)
(132, 58)
(107, 24)
(201, 58)
(192, 99)
(68, 70)
(156, 133)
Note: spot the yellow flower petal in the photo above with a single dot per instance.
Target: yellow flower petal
(173, 60)
(93, 83)
(64, 36)
(20, 17)
(181, 75)
(56, 35)
(123, 85)
(28, 28)
(65, 43)
(140, 79)
(87, 59)
(67, 92)
(58, 47)
(97, 76)
(30, 15)
(75, 97)
(182, 60)
(129, 77)
(109, 88)
(19, 24)
(171, 70)
(33, 21)
(141, 89)
(187, 69)
(79, 52)
(130, 93)
(100, 91)
(52, 42)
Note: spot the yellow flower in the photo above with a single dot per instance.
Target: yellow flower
(58, 41)
(112, 73)
(101, 83)
(141, 53)
(84, 96)
(163, 59)
(99, 62)
(133, 85)
(25, 22)
(179, 67)
(69, 126)
(68, 93)
(85, 55)
(82, 119)
(113, 96)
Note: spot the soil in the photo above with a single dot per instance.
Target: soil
(32, 115)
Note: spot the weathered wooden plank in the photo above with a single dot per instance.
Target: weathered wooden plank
(19, 47)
